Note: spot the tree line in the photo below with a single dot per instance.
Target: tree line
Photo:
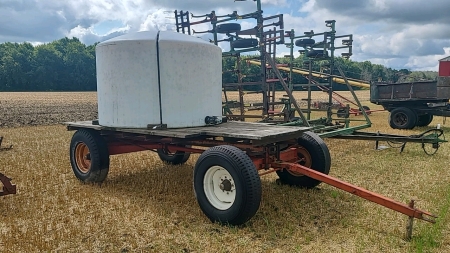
(69, 65)
(62, 65)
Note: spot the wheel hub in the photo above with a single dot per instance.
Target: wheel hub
(83, 157)
(226, 185)
(219, 187)
(304, 159)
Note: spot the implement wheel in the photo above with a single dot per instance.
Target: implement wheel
(304, 42)
(366, 108)
(174, 158)
(244, 43)
(89, 156)
(312, 153)
(228, 28)
(402, 118)
(227, 185)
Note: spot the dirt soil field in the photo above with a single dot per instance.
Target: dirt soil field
(46, 108)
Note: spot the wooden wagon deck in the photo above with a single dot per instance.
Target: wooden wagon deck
(258, 132)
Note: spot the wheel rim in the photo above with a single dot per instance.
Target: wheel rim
(400, 119)
(219, 187)
(304, 159)
(82, 157)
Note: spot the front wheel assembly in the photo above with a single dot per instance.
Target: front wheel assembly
(227, 185)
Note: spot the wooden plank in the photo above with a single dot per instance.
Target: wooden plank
(261, 132)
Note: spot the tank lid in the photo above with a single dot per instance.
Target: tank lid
(174, 36)
(133, 36)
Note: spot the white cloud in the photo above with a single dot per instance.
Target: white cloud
(398, 34)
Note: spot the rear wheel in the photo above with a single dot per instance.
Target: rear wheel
(227, 185)
(424, 120)
(367, 109)
(174, 158)
(402, 118)
(312, 153)
(89, 156)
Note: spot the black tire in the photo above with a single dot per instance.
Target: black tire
(89, 156)
(317, 54)
(314, 154)
(244, 43)
(227, 164)
(304, 42)
(342, 113)
(366, 108)
(402, 118)
(179, 157)
(228, 28)
(424, 120)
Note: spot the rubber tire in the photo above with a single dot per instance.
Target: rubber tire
(424, 120)
(402, 118)
(99, 156)
(179, 157)
(342, 113)
(304, 42)
(366, 108)
(246, 180)
(244, 43)
(316, 54)
(228, 28)
(320, 161)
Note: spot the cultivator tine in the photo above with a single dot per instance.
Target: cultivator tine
(8, 188)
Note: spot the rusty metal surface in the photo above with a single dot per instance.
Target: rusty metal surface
(361, 192)
(8, 188)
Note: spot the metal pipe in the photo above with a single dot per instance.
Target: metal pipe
(339, 80)
(360, 192)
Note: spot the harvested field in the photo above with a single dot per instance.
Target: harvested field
(147, 206)
(46, 108)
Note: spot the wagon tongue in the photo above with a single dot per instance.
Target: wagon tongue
(408, 210)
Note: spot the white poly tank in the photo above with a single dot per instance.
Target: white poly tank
(153, 78)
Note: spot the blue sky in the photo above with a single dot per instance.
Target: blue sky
(410, 34)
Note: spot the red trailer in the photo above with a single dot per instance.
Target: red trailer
(233, 157)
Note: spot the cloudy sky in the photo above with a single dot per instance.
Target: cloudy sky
(412, 34)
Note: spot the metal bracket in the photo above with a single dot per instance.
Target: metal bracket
(8, 188)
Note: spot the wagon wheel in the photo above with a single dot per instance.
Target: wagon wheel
(174, 158)
(366, 108)
(244, 43)
(227, 185)
(89, 156)
(304, 42)
(424, 120)
(228, 28)
(312, 153)
(402, 118)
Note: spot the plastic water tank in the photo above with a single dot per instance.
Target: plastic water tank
(158, 78)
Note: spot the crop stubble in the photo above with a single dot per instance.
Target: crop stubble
(147, 206)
